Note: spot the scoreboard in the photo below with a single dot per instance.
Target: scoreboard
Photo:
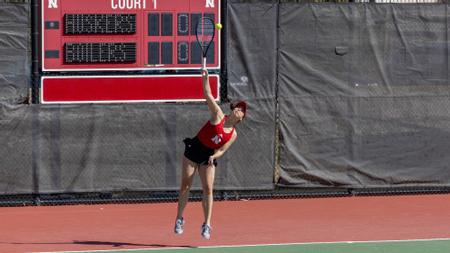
(124, 35)
(97, 35)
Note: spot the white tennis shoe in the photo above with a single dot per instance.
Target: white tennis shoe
(206, 231)
(179, 223)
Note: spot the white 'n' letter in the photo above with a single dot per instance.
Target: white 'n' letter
(52, 4)
(209, 4)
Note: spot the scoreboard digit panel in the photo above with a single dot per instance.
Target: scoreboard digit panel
(80, 35)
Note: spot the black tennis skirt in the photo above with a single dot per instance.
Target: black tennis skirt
(197, 152)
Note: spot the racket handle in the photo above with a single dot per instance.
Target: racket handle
(204, 62)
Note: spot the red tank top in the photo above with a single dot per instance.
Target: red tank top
(213, 136)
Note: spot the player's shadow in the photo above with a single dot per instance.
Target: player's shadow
(119, 244)
(105, 243)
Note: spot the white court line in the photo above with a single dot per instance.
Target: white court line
(251, 245)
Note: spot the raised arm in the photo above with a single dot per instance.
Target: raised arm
(216, 112)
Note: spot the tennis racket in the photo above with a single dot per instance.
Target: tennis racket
(204, 31)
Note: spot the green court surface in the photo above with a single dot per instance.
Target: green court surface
(410, 246)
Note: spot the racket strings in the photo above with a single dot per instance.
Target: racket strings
(205, 32)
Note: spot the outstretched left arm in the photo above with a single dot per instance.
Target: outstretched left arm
(219, 152)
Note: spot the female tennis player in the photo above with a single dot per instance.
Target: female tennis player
(202, 151)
